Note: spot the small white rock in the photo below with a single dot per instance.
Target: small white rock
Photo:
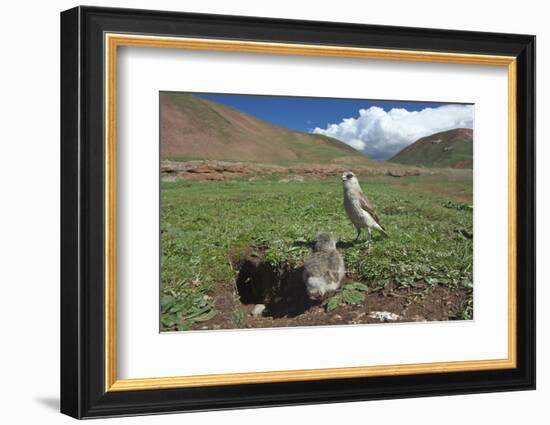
(258, 310)
(384, 316)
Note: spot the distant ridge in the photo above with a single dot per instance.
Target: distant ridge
(195, 128)
(447, 149)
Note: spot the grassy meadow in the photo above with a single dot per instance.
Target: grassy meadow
(206, 224)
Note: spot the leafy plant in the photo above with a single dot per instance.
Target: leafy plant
(467, 309)
(457, 206)
(180, 312)
(352, 293)
(238, 317)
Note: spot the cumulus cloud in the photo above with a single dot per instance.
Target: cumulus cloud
(380, 134)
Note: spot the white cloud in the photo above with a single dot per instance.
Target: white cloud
(380, 134)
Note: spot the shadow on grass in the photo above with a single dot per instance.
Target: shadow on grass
(340, 244)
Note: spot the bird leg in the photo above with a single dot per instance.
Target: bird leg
(358, 234)
(369, 239)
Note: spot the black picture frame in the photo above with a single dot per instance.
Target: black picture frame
(83, 392)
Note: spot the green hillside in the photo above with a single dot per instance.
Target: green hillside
(448, 149)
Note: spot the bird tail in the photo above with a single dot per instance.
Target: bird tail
(382, 230)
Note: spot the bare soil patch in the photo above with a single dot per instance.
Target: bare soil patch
(419, 304)
(225, 170)
(282, 291)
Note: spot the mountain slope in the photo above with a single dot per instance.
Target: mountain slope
(195, 128)
(452, 148)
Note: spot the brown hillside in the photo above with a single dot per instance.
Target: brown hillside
(195, 128)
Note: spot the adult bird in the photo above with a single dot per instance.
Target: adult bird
(360, 211)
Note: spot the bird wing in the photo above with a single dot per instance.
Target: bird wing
(367, 206)
(336, 266)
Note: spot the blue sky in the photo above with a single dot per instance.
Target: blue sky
(306, 113)
(377, 128)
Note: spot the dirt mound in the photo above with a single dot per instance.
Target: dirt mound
(225, 170)
(282, 291)
(403, 173)
(419, 304)
(462, 164)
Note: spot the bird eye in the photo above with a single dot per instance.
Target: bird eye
(349, 176)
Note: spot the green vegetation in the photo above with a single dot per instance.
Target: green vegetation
(206, 224)
(352, 293)
(453, 148)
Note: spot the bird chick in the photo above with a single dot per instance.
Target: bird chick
(360, 211)
(324, 268)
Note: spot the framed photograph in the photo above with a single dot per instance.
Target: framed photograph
(260, 212)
